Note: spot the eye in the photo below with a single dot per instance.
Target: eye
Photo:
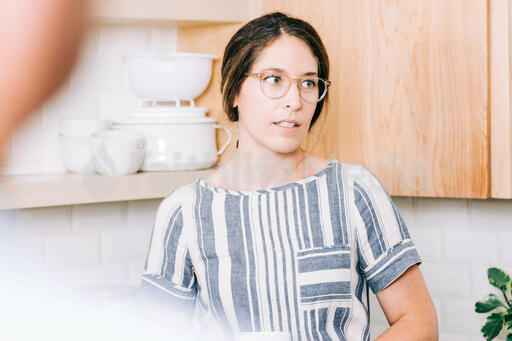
(309, 83)
(273, 79)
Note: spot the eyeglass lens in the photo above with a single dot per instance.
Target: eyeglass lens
(275, 85)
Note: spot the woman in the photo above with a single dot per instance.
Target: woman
(293, 249)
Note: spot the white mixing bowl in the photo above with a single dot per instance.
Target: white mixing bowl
(170, 77)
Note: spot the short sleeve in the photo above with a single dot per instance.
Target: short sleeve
(168, 278)
(384, 246)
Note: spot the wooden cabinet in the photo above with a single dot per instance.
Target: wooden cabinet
(410, 90)
(500, 22)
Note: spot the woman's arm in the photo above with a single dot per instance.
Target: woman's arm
(409, 309)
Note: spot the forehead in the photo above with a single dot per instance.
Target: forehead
(288, 53)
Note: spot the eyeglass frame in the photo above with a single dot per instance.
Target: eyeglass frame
(290, 80)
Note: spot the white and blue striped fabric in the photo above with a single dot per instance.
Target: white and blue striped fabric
(295, 258)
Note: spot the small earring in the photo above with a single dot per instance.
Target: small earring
(236, 143)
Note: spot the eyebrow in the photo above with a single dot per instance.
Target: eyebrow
(283, 71)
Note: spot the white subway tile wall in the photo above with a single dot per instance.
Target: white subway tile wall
(427, 242)
(141, 213)
(491, 215)
(91, 217)
(458, 239)
(42, 221)
(101, 275)
(73, 250)
(427, 212)
(125, 245)
(135, 272)
(476, 246)
(106, 244)
(438, 274)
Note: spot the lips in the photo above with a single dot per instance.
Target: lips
(297, 124)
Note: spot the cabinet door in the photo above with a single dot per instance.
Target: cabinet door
(500, 84)
(410, 90)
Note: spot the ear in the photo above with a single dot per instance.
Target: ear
(235, 101)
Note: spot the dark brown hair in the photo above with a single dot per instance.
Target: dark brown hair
(247, 43)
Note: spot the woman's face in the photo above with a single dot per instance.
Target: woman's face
(258, 113)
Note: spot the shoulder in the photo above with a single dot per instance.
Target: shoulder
(362, 183)
(358, 174)
(176, 199)
(170, 213)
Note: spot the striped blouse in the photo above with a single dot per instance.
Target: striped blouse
(296, 258)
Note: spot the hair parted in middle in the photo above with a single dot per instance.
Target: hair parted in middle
(248, 42)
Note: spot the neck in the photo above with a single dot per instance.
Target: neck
(268, 169)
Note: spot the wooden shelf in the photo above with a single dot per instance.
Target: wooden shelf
(173, 12)
(42, 190)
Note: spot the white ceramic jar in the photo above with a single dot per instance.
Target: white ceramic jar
(177, 143)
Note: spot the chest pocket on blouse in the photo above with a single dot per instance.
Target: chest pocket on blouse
(323, 275)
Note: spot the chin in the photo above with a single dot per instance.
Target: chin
(286, 148)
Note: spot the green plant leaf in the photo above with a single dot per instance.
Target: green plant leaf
(508, 290)
(492, 326)
(508, 326)
(509, 337)
(498, 278)
(488, 303)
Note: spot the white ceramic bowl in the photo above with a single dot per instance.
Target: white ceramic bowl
(82, 127)
(74, 142)
(117, 161)
(117, 139)
(170, 77)
(77, 160)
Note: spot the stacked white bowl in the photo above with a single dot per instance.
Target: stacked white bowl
(74, 143)
(117, 152)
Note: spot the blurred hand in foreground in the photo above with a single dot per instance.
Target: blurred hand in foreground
(40, 42)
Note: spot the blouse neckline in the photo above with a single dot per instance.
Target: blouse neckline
(279, 188)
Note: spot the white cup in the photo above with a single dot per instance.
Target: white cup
(263, 336)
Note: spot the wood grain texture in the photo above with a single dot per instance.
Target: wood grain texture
(174, 12)
(410, 92)
(501, 123)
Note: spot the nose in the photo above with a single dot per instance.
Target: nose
(292, 98)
